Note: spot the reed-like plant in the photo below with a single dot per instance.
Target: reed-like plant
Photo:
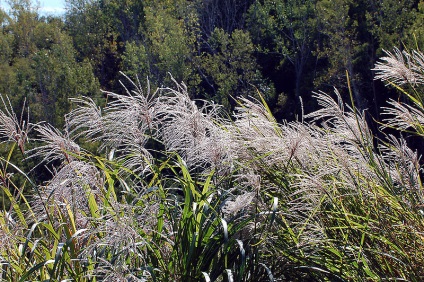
(176, 191)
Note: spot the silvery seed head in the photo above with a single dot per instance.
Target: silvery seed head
(401, 67)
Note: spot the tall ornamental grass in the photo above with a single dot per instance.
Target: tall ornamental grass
(175, 190)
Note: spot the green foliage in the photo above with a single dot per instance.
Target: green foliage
(93, 38)
(203, 242)
(186, 193)
(58, 78)
(415, 36)
(135, 60)
(230, 67)
(341, 31)
(391, 22)
(266, 201)
(6, 40)
(287, 28)
(171, 33)
(40, 66)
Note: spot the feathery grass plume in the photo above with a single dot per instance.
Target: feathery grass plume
(191, 131)
(252, 120)
(55, 145)
(129, 119)
(126, 131)
(107, 271)
(404, 167)
(12, 128)
(404, 117)
(242, 201)
(124, 127)
(70, 187)
(256, 115)
(85, 119)
(347, 142)
(348, 126)
(141, 102)
(124, 241)
(346, 137)
(258, 139)
(253, 129)
(342, 147)
(401, 67)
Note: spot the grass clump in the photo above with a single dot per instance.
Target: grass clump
(175, 191)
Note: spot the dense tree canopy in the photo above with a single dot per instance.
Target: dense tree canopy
(286, 49)
(39, 64)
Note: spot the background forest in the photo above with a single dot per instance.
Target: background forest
(212, 140)
(219, 48)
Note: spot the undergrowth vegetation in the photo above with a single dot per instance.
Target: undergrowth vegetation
(178, 191)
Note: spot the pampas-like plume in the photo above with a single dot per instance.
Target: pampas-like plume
(231, 208)
(404, 167)
(258, 139)
(167, 115)
(70, 186)
(401, 67)
(124, 126)
(193, 132)
(85, 119)
(124, 237)
(404, 117)
(346, 126)
(56, 145)
(12, 128)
